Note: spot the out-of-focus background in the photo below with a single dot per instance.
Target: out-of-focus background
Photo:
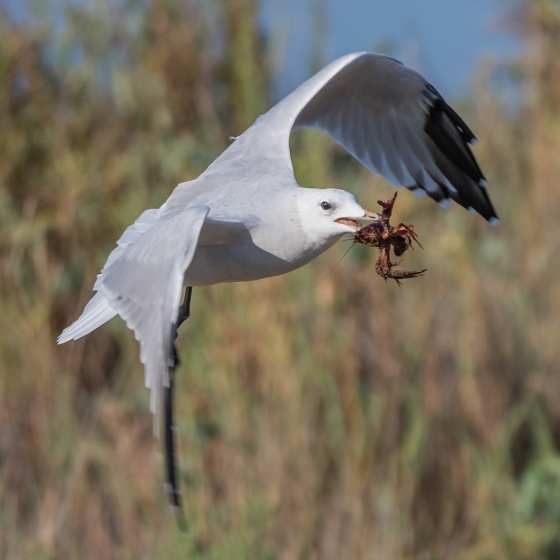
(318, 417)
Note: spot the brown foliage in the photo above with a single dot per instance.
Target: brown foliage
(334, 418)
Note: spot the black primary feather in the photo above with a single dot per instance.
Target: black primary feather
(170, 462)
(169, 426)
(450, 138)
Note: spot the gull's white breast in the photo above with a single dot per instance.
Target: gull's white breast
(261, 252)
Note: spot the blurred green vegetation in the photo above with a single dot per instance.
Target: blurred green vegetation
(322, 415)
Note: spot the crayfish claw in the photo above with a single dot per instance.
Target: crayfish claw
(385, 236)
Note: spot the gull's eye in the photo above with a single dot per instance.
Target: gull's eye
(326, 205)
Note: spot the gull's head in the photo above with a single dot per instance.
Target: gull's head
(328, 213)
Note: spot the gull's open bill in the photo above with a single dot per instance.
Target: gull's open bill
(384, 236)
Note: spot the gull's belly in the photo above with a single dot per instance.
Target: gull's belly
(214, 264)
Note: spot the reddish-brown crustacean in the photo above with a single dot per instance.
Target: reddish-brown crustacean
(384, 236)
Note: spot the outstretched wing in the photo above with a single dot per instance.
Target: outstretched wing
(388, 117)
(143, 285)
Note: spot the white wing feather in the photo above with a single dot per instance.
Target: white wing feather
(387, 116)
(144, 287)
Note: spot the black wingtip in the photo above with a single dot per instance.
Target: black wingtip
(450, 134)
(450, 138)
(434, 100)
(171, 485)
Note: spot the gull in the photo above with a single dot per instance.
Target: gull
(246, 218)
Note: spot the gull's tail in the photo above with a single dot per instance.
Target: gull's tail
(97, 312)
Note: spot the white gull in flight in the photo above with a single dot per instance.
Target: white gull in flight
(246, 218)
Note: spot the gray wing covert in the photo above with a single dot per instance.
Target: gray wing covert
(397, 125)
(144, 286)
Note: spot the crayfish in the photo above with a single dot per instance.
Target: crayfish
(384, 236)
